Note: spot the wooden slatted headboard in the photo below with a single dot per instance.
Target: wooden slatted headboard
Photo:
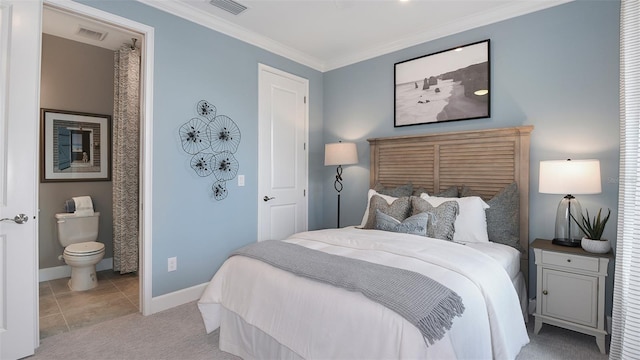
(484, 160)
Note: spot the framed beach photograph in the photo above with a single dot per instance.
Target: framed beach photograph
(75, 146)
(445, 86)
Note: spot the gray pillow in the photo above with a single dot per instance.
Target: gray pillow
(450, 192)
(441, 223)
(503, 216)
(466, 191)
(397, 191)
(398, 209)
(416, 224)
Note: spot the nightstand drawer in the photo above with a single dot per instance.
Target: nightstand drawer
(570, 261)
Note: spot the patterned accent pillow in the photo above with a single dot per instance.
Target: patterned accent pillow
(442, 218)
(471, 222)
(416, 224)
(450, 192)
(398, 191)
(398, 209)
(370, 194)
(503, 216)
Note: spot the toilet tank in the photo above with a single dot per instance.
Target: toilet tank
(74, 228)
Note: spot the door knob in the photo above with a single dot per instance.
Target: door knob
(266, 198)
(18, 219)
(545, 292)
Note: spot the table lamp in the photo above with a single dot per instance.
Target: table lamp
(570, 177)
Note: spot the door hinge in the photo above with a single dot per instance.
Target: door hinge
(305, 99)
(304, 192)
(304, 146)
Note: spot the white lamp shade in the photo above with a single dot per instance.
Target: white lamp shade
(340, 154)
(570, 177)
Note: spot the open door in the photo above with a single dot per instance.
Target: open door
(20, 36)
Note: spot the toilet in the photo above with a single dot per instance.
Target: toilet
(78, 235)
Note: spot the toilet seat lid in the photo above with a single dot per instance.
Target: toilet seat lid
(84, 248)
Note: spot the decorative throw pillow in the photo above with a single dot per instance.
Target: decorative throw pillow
(398, 209)
(370, 194)
(466, 191)
(450, 192)
(471, 222)
(397, 191)
(420, 190)
(441, 221)
(416, 224)
(503, 216)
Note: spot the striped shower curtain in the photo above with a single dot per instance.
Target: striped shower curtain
(125, 163)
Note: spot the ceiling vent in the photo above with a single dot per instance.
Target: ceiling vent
(91, 34)
(230, 6)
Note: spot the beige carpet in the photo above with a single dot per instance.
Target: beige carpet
(178, 333)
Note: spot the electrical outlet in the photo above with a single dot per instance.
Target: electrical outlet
(172, 263)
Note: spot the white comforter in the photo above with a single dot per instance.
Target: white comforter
(319, 321)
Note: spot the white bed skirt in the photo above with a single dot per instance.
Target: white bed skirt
(248, 342)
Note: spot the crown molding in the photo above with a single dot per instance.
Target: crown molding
(220, 25)
(188, 12)
(510, 10)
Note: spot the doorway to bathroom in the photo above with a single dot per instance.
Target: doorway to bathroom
(77, 74)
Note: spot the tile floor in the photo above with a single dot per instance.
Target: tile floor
(63, 310)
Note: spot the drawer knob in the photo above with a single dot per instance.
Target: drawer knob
(545, 292)
(568, 260)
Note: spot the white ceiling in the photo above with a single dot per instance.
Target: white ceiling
(323, 34)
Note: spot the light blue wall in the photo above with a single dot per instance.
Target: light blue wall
(194, 63)
(556, 69)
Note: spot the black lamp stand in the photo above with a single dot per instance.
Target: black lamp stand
(338, 186)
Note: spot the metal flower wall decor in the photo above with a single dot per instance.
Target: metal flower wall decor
(212, 140)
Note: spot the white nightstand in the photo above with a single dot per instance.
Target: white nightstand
(570, 289)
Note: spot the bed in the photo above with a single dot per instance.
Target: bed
(266, 312)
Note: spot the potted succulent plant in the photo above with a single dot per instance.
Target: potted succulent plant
(593, 229)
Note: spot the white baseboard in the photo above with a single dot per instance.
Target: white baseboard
(177, 298)
(64, 271)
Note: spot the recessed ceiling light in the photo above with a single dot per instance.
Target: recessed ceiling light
(481, 92)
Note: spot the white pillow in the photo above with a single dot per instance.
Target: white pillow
(471, 223)
(372, 192)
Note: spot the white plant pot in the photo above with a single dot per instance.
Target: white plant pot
(596, 246)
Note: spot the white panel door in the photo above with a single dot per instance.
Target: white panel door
(20, 35)
(283, 177)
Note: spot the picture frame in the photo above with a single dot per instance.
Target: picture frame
(449, 85)
(75, 146)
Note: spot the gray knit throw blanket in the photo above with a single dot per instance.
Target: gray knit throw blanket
(422, 301)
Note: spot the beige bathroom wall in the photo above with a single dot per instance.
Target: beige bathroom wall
(75, 77)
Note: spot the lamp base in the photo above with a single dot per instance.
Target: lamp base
(567, 242)
(567, 230)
